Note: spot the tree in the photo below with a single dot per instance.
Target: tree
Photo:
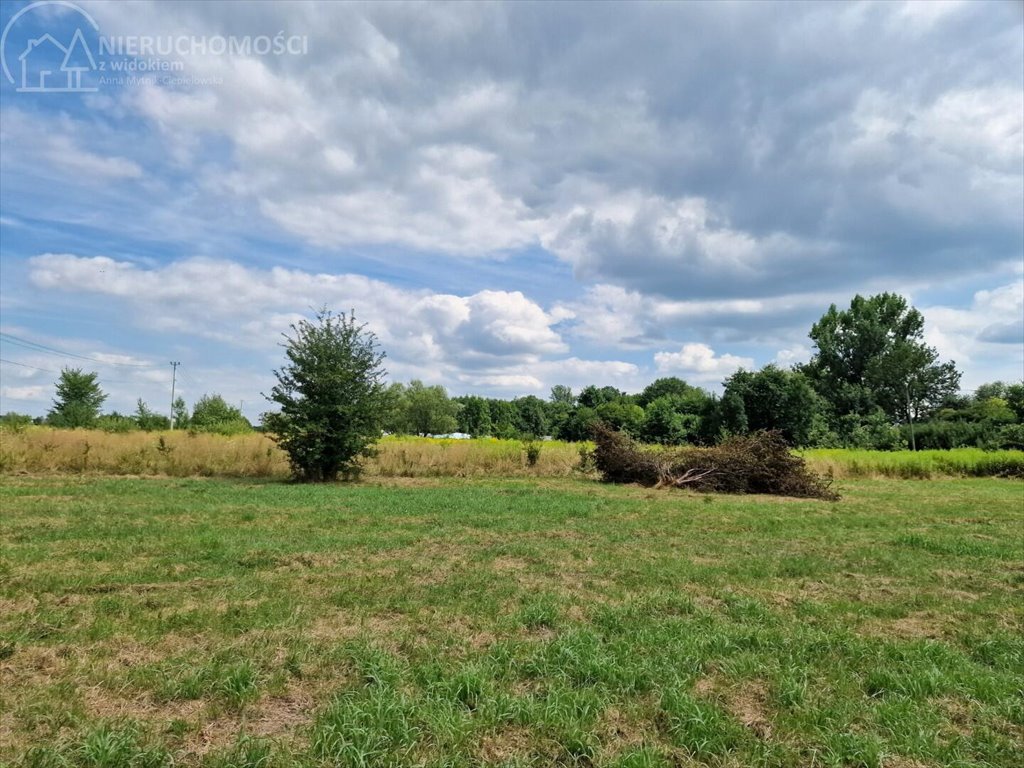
(1015, 399)
(669, 385)
(212, 413)
(666, 422)
(777, 399)
(179, 413)
(592, 396)
(331, 397)
(78, 400)
(563, 395)
(147, 420)
(873, 355)
(475, 416)
(731, 415)
(503, 418)
(531, 416)
(622, 415)
(428, 410)
(578, 425)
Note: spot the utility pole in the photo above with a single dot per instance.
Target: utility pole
(174, 380)
(910, 416)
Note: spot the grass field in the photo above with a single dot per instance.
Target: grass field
(181, 454)
(446, 622)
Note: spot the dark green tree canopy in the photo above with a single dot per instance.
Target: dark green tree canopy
(474, 416)
(873, 355)
(423, 410)
(593, 396)
(531, 416)
(776, 399)
(78, 399)
(331, 397)
(669, 385)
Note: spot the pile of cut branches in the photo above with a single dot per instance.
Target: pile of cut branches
(758, 463)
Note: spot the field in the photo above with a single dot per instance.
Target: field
(152, 621)
(181, 454)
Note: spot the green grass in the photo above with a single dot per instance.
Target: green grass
(159, 622)
(920, 465)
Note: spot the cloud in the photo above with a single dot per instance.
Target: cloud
(1003, 333)
(29, 393)
(983, 337)
(483, 339)
(761, 184)
(420, 161)
(698, 362)
(631, 319)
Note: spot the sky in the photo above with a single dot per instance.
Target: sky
(512, 196)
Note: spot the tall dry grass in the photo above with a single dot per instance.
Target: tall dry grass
(180, 454)
(183, 454)
(486, 457)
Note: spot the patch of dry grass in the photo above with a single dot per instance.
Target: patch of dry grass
(37, 450)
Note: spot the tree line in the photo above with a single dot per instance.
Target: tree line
(871, 382)
(79, 399)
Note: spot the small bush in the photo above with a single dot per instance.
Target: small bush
(532, 448)
(758, 463)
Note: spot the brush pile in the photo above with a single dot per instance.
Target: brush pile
(756, 463)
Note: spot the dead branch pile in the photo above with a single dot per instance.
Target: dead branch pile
(756, 463)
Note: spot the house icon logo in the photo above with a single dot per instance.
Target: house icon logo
(51, 62)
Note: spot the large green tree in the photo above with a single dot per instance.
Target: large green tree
(531, 416)
(873, 355)
(667, 420)
(429, 410)
(331, 397)
(777, 399)
(474, 416)
(666, 386)
(78, 399)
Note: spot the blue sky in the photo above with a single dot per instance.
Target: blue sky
(512, 196)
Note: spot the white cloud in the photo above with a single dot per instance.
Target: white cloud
(29, 393)
(790, 356)
(613, 315)
(483, 339)
(986, 338)
(699, 362)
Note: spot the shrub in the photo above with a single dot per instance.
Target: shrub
(758, 463)
(15, 422)
(532, 448)
(331, 395)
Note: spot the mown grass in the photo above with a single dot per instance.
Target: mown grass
(183, 454)
(145, 622)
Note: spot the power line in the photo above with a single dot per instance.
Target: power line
(105, 380)
(36, 347)
(25, 365)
